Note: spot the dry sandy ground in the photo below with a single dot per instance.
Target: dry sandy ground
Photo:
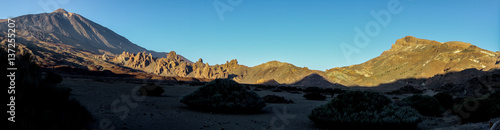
(166, 112)
(115, 104)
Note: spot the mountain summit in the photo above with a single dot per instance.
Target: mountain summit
(63, 27)
(60, 10)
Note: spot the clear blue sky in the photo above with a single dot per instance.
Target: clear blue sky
(305, 33)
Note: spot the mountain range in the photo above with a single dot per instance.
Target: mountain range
(67, 39)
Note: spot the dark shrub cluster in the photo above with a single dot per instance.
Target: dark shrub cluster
(326, 91)
(52, 78)
(196, 83)
(224, 95)
(151, 89)
(333, 91)
(275, 99)
(425, 105)
(495, 97)
(314, 96)
(40, 104)
(445, 99)
(313, 89)
(49, 107)
(288, 88)
(408, 89)
(364, 110)
(479, 109)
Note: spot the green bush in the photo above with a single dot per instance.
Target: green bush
(364, 110)
(314, 96)
(425, 105)
(479, 109)
(224, 95)
(445, 99)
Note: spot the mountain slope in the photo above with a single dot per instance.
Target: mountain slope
(411, 57)
(62, 27)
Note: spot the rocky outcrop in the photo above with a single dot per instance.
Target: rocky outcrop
(172, 65)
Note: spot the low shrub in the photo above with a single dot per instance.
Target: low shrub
(495, 97)
(289, 89)
(314, 96)
(408, 89)
(53, 78)
(458, 100)
(224, 95)
(277, 90)
(332, 91)
(151, 89)
(196, 83)
(313, 89)
(445, 100)
(275, 99)
(479, 109)
(49, 107)
(425, 105)
(364, 110)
